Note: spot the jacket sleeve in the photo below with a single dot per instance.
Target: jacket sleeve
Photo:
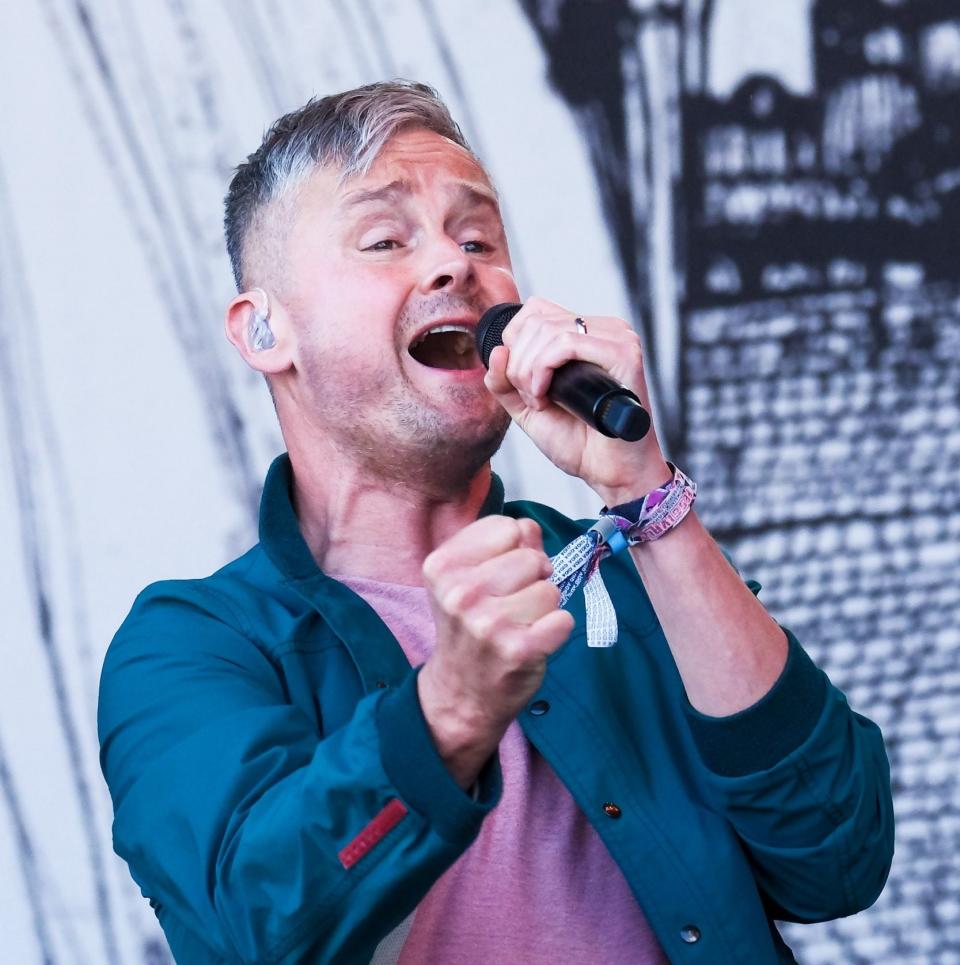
(262, 838)
(805, 783)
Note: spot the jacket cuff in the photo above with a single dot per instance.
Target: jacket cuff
(759, 737)
(417, 771)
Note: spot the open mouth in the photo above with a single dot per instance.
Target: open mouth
(446, 347)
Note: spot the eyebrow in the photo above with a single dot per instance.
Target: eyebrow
(469, 195)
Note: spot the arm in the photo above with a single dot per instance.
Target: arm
(805, 782)
(697, 595)
(236, 815)
(802, 779)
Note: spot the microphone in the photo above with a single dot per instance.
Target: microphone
(582, 388)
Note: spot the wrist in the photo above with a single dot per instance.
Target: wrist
(645, 479)
(463, 734)
(649, 517)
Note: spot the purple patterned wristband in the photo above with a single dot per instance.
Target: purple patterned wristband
(649, 517)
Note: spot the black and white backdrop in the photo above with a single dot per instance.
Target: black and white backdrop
(769, 190)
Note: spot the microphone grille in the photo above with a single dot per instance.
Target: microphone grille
(489, 333)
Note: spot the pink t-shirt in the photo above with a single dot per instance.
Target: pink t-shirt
(538, 885)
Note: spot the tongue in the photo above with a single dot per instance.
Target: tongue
(446, 350)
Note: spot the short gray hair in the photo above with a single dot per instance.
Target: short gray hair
(344, 131)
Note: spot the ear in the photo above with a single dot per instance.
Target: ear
(247, 318)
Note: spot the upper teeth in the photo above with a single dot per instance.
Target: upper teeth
(443, 328)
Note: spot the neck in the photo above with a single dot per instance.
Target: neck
(357, 524)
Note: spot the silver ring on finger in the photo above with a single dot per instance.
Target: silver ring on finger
(581, 326)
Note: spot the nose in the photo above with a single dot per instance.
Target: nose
(446, 267)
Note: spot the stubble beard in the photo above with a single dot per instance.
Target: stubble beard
(443, 457)
(409, 440)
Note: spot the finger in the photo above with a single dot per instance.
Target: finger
(534, 310)
(602, 326)
(546, 635)
(524, 368)
(522, 364)
(535, 313)
(621, 357)
(497, 617)
(500, 575)
(512, 571)
(530, 534)
(488, 537)
(528, 605)
(496, 378)
(500, 386)
(527, 368)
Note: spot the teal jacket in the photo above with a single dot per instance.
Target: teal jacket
(278, 798)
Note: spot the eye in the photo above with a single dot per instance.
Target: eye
(388, 244)
(475, 247)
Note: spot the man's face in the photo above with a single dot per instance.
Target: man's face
(373, 267)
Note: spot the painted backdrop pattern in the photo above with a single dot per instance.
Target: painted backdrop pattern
(767, 190)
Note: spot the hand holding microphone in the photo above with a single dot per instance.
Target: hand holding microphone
(582, 388)
(576, 387)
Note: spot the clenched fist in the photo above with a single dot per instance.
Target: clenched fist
(497, 621)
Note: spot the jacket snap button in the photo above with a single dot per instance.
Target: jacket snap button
(611, 810)
(382, 685)
(690, 934)
(539, 707)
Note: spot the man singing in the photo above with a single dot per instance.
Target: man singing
(378, 735)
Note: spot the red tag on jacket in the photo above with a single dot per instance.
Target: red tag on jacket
(373, 833)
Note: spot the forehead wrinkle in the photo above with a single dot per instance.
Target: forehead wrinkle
(394, 191)
(464, 194)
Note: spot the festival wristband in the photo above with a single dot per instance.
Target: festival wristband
(650, 517)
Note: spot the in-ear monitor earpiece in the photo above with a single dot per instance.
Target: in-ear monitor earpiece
(260, 334)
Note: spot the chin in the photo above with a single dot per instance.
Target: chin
(448, 458)
(475, 442)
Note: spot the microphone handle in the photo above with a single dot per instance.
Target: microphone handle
(585, 390)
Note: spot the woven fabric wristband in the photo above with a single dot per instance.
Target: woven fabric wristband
(577, 565)
(648, 518)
